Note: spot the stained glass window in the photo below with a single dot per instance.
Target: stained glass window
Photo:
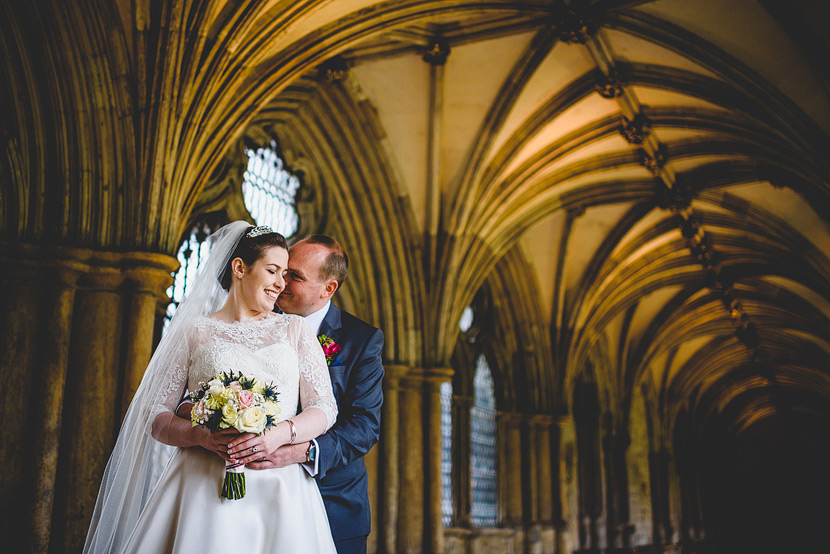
(446, 454)
(483, 442)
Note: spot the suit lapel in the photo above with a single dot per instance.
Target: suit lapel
(331, 323)
(331, 328)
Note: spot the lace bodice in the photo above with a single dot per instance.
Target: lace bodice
(279, 349)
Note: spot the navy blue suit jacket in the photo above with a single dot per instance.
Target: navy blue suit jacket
(357, 388)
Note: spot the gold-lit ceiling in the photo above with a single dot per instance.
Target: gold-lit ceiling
(644, 183)
(663, 168)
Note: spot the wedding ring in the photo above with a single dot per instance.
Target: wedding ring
(254, 449)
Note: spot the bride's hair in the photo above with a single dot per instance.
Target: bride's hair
(251, 249)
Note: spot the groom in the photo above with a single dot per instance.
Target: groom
(317, 267)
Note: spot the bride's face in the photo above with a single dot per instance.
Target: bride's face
(262, 282)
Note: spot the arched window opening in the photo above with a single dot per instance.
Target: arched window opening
(270, 190)
(466, 320)
(270, 194)
(483, 442)
(193, 249)
(446, 454)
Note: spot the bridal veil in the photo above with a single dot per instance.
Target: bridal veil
(138, 460)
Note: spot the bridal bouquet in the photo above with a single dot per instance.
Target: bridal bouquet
(233, 400)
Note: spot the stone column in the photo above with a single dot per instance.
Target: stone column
(372, 461)
(145, 290)
(435, 527)
(563, 476)
(63, 317)
(661, 514)
(105, 333)
(410, 532)
(390, 456)
(511, 469)
(542, 480)
(462, 480)
(618, 530)
(22, 300)
(92, 405)
(529, 448)
(541, 425)
(57, 327)
(531, 464)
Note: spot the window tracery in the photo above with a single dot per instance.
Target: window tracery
(269, 191)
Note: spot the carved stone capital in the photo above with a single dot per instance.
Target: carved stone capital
(576, 211)
(675, 199)
(394, 372)
(654, 163)
(574, 25)
(511, 419)
(635, 131)
(609, 86)
(334, 69)
(542, 421)
(437, 52)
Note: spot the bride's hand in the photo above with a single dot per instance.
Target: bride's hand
(249, 447)
(218, 442)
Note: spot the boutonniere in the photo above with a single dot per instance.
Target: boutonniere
(330, 348)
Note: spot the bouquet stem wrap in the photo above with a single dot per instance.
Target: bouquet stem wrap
(233, 488)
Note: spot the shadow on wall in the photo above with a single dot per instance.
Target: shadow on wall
(768, 492)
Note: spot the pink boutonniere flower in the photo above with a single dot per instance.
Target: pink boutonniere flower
(330, 349)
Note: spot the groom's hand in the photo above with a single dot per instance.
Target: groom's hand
(283, 456)
(184, 409)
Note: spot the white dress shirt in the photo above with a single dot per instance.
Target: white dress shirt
(315, 320)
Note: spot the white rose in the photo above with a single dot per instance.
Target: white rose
(215, 387)
(229, 415)
(251, 420)
(271, 408)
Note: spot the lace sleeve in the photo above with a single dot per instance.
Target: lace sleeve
(315, 382)
(172, 377)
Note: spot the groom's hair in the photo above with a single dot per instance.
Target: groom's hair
(336, 265)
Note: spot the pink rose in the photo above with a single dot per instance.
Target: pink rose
(246, 399)
(331, 348)
(200, 413)
(234, 385)
(200, 409)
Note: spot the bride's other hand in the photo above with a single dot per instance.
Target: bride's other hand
(301, 428)
(218, 442)
(249, 447)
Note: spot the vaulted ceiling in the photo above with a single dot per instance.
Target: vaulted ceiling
(662, 170)
(647, 181)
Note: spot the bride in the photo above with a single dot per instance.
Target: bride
(161, 488)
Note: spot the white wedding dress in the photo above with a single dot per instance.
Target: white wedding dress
(282, 510)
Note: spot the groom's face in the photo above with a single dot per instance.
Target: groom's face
(304, 292)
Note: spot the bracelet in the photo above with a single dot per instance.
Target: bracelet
(293, 431)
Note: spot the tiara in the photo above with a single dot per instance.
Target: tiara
(257, 231)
